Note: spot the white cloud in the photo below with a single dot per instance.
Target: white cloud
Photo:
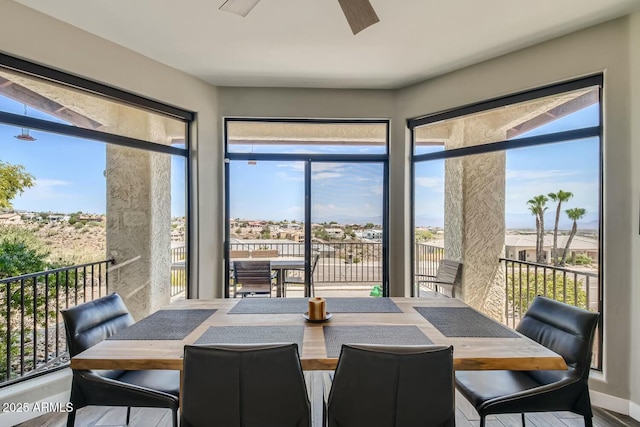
(522, 175)
(429, 182)
(326, 175)
(47, 189)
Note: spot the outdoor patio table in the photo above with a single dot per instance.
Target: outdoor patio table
(479, 343)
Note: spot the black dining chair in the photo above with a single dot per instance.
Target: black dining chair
(392, 386)
(566, 330)
(259, 385)
(92, 322)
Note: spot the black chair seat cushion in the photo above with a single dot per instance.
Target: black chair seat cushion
(483, 386)
(160, 380)
(497, 392)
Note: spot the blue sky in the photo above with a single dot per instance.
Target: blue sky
(69, 171)
(570, 166)
(273, 190)
(70, 177)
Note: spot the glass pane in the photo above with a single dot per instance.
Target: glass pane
(267, 220)
(557, 113)
(346, 218)
(62, 104)
(179, 232)
(306, 138)
(429, 220)
(561, 262)
(77, 204)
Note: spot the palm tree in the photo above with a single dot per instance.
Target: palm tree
(537, 208)
(574, 214)
(560, 196)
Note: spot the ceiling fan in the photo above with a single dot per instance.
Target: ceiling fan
(359, 13)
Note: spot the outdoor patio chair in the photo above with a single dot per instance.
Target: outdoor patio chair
(297, 278)
(253, 277)
(392, 386)
(248, 385)
(446, 280)
(92, 322)
(566, 330)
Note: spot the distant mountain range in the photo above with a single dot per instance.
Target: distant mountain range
(523, 222)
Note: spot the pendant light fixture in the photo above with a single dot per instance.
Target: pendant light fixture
(24, 135)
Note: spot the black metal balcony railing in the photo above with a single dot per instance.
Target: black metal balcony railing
(338, 262)
(427, 258)
(178, 270)
(525, 280)
(32, 332)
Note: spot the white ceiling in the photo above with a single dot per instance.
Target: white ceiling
(308, 43)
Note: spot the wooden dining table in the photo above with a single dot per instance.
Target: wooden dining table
(479, 343)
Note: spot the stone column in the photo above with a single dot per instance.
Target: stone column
(139, 217)
(475, 213)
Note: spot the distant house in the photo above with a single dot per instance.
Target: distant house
(523, 247)
(372, 234)
(55, 218)
(10, 218)
(96, 218)
(335, 232)
(256, 226)
(30, 216)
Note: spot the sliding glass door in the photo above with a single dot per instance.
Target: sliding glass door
(315, 192)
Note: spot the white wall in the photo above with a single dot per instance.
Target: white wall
(634, 53)
(603, 48)
(36, 37)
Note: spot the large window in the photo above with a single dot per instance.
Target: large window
(511, 188)
(93, 200)
(311, 192)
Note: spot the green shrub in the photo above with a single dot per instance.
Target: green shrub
(538, 284)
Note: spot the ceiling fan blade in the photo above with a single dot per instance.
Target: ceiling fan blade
(359, 14)
(239, 7)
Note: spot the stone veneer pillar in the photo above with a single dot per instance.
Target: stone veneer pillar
(139, 218)
(475, 214)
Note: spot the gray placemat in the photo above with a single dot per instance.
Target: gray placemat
(464, 322)
(301, 305)
(252, 335)
(165, 325)
(335, 336)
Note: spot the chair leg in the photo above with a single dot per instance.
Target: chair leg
(481, 420)
(128, 414)
(588, 422)
(522, 419)
(71, 418)
(175, 417)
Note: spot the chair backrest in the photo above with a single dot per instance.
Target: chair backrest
(92, 322)
(252, 273)
(449, 272)
(235, 253)
(265, 253)
(316, 257)
(564, 329)
(244, 385)
(389, 386)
